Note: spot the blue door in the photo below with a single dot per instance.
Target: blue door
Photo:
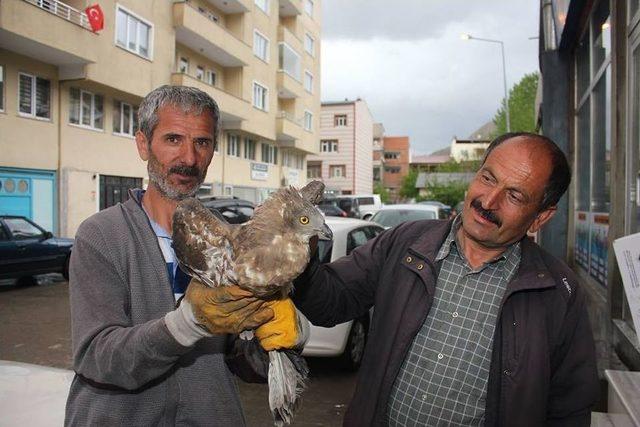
(29, 193)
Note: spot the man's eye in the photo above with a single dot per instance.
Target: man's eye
(173, 139)
(516, 198)
(203, 142)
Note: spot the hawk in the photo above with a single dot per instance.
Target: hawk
(262, 256)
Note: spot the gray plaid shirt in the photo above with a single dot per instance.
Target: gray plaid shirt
(443, 379)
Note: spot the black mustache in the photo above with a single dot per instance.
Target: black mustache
(488, 215)
(185, 170)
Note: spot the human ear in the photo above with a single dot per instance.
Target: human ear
(541, 219)
(143, 146)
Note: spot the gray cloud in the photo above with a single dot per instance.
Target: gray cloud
(408, 62)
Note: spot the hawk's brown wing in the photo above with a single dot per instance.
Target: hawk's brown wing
(201, 242)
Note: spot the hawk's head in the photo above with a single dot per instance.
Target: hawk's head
(297, 211)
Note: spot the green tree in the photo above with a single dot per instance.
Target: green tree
(449, 193)
(522, 99)
(408, 188)
(382, 192)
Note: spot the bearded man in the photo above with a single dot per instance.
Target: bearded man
(140, 357)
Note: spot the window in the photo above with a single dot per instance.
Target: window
(340, 120)
(260, 97)
(22, 229)
(391, 155)
(329, 146)
(233, 145)
(132, 33)
(314, 171)
(125, 118)
(210, 77)
(260, 46)
(199, 72)
(263, 5)
(308, 81)
(1, 88)
(183, 65)
(115, 189)
(337, 171)
(249, 149)
(592, 201)
(269, 154)
(85, 109)
(34, 97)
(289, 60)
(308, 7)
(392, 169)
(308, 120)
(309, 44)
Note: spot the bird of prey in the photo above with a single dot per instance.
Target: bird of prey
(263, 256)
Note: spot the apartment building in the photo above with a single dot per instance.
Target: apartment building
(69, 96)
(396, 163)
(345, 162)
(378, 154)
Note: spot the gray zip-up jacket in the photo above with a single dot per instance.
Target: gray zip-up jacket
(129, 369)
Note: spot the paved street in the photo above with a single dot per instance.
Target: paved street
(34, 328)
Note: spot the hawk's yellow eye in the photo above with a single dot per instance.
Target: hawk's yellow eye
(304, 220)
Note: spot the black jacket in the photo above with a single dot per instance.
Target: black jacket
(543, 368)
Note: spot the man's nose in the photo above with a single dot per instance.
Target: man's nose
(491, 200)
(188, 154)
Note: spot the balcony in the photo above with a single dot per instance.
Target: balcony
(48, 30)
(288, 87)
(290, 8)
(286, 36)
(196, 31)
(288, 129)
(231, 6)
(232, 108)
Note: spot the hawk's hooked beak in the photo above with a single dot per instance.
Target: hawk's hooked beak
(326, 232)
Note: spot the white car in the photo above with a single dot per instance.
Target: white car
(368, 204)
(391, 215)
(346, 340)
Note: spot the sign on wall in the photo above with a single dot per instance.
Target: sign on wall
(581, 250)
(599, 246)
(627, 250)
(259, 171)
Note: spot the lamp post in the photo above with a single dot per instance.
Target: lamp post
(504, 72)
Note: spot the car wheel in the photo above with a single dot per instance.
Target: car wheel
(65, 269)
(354, 350)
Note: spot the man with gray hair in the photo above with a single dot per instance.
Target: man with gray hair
(138, 359)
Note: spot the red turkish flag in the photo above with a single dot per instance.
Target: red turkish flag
(96, 17)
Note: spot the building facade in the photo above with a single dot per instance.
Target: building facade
(396, 164)
(69, 96)
(590, 64)
(344, 162)
(378, 154)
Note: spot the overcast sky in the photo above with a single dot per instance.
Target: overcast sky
(407, 60)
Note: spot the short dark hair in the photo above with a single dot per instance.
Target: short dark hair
(560, 176)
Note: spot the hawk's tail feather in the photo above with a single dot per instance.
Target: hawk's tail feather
(288, 372)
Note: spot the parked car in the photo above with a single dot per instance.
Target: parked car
(332, 210)
(346, 340)
(391, 215)
(234, 210)
(27, 249)
(445, 210)
(349, 204)
(32, 394)
(368, 204)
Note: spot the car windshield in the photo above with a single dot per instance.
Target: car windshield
(21, 228)
(393, 217)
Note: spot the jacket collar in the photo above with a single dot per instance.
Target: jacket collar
(531, 274)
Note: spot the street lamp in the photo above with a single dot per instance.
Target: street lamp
(504, 72)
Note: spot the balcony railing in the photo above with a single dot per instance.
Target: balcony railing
(211, 17)
(288, 116)
(64, 11)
